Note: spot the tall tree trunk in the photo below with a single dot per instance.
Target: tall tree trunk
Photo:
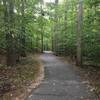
(23, 51)
(9, 27)
(42, 30)
(42, 37)
(37, 43)
(55, 27)
(79, 35)
(65, 22)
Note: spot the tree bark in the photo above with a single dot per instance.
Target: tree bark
(79, 35)
(23, 51)
(42, 30)
(9, 27)
(55, 28)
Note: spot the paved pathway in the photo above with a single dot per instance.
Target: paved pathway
(61, 82)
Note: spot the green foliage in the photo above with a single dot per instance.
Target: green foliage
(66, 35)
(57, 24)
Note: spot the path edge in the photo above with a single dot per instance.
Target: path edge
(35, 83)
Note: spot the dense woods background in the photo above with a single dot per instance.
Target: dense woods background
(78, 29)
(70, 28)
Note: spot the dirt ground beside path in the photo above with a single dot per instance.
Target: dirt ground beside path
(17, 82)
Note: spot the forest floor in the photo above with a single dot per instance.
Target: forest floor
(18, 81)
(89, 73)
(92, 75)
(62, 82)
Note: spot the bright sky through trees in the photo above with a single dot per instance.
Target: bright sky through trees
(49, 0)
(52, 0)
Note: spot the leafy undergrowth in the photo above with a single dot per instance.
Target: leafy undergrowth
(14, 79)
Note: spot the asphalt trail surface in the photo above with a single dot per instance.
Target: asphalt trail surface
(62, 82)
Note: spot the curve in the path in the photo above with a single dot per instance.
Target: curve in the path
(61, 82)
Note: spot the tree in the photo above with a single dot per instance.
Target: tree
(23, 53)
(55, 27)
(79, 35)
(42, 30)
(9, 31)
